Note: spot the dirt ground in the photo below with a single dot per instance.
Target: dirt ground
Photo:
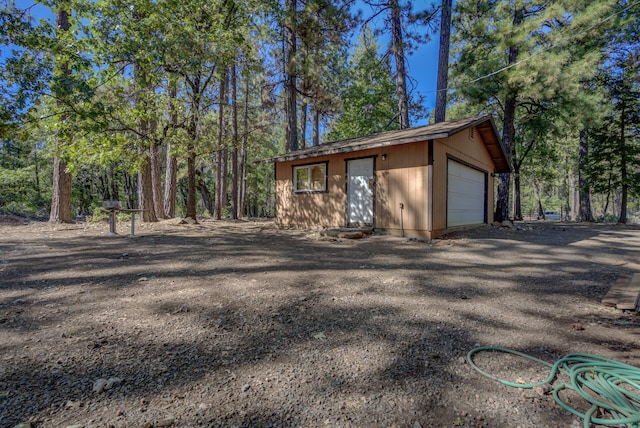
(236, 324)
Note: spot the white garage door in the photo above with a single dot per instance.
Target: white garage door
(465, 195)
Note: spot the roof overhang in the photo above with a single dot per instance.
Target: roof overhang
(484, 125)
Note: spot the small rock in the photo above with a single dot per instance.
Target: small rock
(188, 220)
(113, 381)
(166, 422)
(99, 385)
(26, 424)
(577, 326)
(416, 424)
(143, 278)
(543, 389)
(73, 404)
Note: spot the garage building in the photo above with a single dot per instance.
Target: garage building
(423, 181)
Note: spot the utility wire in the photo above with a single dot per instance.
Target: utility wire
(507, 67)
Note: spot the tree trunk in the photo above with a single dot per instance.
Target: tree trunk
(156, 177)
(234, 142)
(508, 132)
(567, 191)
(517, 203)
(217, 206)
(401, 72)
(170, 184)
(316, 127)
(145, 180)
(575, 203)
(84, 190)
(113, 182)
(304, 109)
(61, 186)
(192, 131)
(130, 189)
(207, 200)
(60, 191)
(220, 157)
(243, 153)
(443, 62)
(502, 204)
(224, 183)
(104, 187)
(171, 167)
(36, 164)
(145, 189)
(584, 213)
(536, 194)
(291, 113)
(624, 191)
(191, 184)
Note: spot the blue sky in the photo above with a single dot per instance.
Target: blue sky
(423, 63)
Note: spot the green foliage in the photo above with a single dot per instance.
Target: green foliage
(99, 215)
(19, 193)
(555, 50)
(614, 166)
(369, 102)
(25, 171)
(146, 74)
(260, 177)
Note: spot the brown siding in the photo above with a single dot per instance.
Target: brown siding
(308, 210)
(401, 177)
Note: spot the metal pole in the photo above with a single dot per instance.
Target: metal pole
(133, 224)
(112, 223)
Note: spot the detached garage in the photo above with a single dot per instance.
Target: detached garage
(423, 181)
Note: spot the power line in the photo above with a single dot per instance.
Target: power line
(507, 67)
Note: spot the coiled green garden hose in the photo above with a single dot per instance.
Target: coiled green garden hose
(606, 384)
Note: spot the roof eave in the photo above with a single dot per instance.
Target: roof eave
(489, 133)
(322, 151)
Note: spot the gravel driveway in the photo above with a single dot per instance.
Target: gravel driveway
(236, 324)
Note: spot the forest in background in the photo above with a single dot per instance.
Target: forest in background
(167, 105)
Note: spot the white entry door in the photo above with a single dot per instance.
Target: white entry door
(360, 191)
(465, 195)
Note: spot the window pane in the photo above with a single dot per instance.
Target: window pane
(302, 178)
(318, 177)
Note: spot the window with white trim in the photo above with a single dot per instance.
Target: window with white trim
(310, 178)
